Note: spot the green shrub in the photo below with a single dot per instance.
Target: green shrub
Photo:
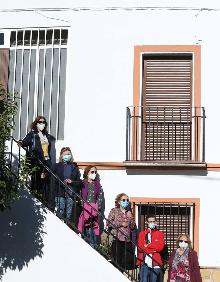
(8, 183)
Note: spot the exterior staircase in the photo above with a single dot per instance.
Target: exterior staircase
(16, 160)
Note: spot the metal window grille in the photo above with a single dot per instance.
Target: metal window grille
(37, 76)
(167, 133)
(173, 219)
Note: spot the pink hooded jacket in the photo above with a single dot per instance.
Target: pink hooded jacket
(89, 217)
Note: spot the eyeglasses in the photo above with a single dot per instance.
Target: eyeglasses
(124, 200)
(181, 241)
(41, 121)
(93, 171)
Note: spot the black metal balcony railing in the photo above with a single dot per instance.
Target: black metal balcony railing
(46, 194)
(165, 134)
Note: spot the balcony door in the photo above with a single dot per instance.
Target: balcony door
(166, 126)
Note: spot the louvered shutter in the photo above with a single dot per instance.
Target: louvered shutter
(4, 62)
(166, 100)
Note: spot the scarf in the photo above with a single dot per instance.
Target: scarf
(180, 271)
(96, 187)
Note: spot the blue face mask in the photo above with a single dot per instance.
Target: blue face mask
(67, 158)
(124, 204)
(152, 225)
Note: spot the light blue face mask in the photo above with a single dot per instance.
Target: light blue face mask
(152, 225)
(67, 158)
(124, 204)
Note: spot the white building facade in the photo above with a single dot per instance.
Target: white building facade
(81, 65)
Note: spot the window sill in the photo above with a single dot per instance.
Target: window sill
(166, 167)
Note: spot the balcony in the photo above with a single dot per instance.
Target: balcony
(165, 137)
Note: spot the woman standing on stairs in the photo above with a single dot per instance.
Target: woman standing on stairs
(68, 172)
(122, 225)
(92, 194)
(38, 144)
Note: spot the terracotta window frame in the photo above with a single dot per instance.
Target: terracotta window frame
(195, 201)
(139, 50)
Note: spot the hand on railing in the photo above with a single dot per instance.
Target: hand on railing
(68, 181)
(19, 142)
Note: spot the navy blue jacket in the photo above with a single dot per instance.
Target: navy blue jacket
(32, 142)
(76, 185)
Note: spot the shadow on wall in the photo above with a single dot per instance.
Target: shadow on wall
(21, 233)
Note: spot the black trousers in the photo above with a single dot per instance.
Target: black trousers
(41, 185)
(123, 255)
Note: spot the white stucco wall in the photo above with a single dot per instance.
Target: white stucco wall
(100, 73)
(100, 86)
(100, 64)
(206, 188)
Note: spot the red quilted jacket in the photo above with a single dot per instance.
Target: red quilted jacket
(154, 248)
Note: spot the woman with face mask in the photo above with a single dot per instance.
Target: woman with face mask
(65, 199)
(122, 225)
(38, 144)
(92, 193)
(183, 262)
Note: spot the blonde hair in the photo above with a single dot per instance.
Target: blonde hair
(118, 198)
(64, 149)
(188, 239)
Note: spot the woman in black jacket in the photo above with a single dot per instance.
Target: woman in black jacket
(68, 172)
(38, 145)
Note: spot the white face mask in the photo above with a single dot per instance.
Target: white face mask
(40, 126)
(92, 176)
(183, 245)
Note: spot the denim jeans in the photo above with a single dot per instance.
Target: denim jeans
(91, 237)
(63, 204)
(153, 273)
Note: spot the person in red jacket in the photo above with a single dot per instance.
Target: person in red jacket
(151, 242)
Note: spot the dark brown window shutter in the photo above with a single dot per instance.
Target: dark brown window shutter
(167, 101)
(4, 62)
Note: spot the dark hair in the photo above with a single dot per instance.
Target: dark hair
(188, 239)
(86, 171)
(150, 215)
(34, 124)
(118, 198)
